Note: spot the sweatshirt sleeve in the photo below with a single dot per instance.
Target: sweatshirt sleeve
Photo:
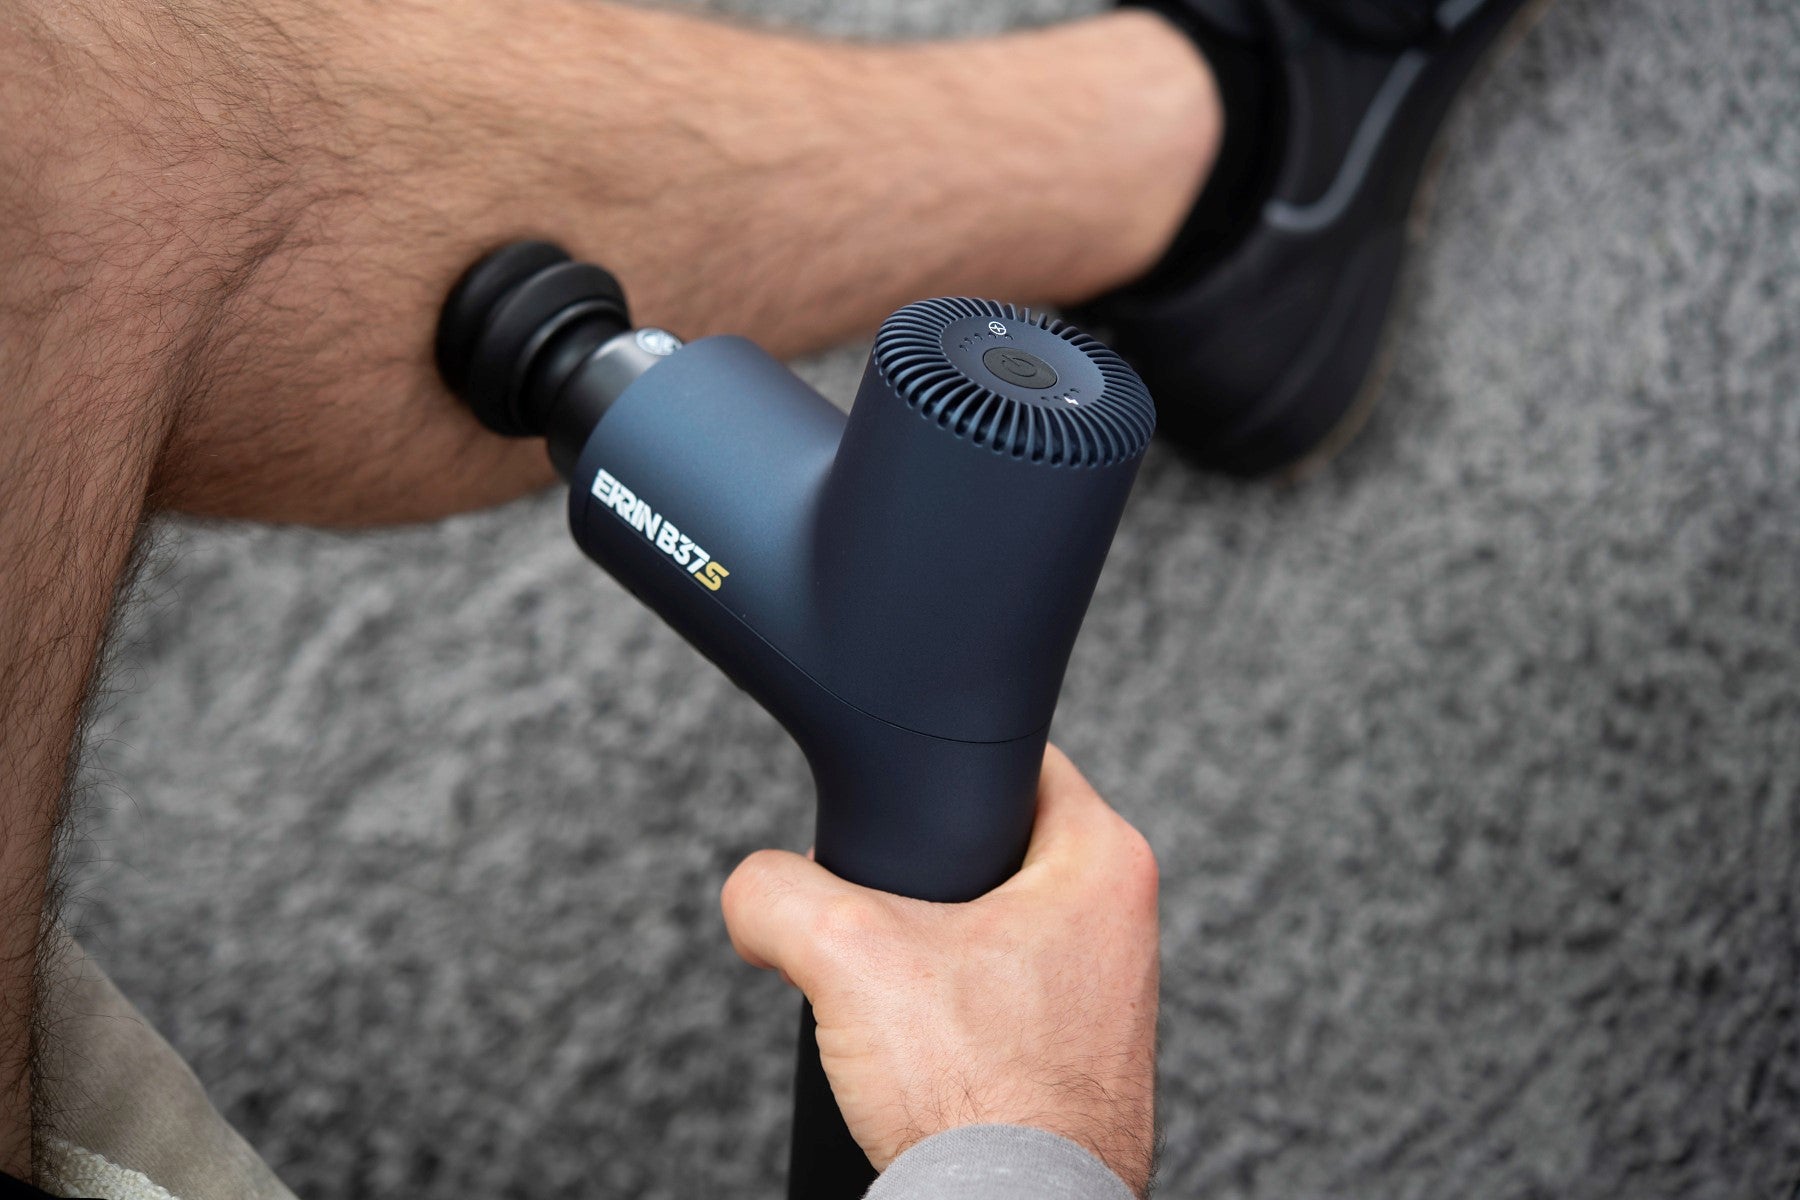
(997, 1162)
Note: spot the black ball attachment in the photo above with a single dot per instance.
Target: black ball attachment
(516, 325)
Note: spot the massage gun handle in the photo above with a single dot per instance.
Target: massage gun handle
(922, 817)
(824, 1161)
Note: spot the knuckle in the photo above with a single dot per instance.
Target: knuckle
(842, 926)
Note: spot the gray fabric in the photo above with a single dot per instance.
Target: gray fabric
(1471, 764)
(998, 1162)
(125, 1118)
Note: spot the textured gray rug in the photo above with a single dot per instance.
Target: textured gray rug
(1474, 765)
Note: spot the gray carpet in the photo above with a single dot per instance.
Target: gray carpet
(1474, 765)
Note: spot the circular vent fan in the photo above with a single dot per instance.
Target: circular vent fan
(1024, 384)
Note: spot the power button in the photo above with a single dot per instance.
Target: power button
(1020, 367)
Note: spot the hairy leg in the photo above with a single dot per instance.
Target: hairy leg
(85, 413)
(226, 225)
(71, 488)
(309, 177)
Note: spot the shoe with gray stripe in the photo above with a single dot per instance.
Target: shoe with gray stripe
(1259, 351)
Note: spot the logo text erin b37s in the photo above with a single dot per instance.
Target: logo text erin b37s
(659, 531)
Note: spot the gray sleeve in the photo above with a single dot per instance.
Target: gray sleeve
(997, 1162)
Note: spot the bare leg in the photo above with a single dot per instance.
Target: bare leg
(75, 463)
(292, 186)
(226, 225)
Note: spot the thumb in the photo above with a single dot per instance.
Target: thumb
(768, 904)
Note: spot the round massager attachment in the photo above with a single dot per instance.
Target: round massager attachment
(515, 326)
(1024, 384)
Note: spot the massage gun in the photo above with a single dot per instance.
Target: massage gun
(900, 588)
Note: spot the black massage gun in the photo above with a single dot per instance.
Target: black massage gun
(900, 588)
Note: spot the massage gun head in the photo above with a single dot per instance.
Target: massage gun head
(1023, 384)
(516, 327)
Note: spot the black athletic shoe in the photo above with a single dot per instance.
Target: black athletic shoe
(1258, 341)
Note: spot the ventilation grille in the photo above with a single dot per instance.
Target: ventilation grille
(1113, 427)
